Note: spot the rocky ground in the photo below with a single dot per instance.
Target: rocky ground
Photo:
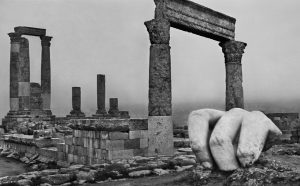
(280, 165)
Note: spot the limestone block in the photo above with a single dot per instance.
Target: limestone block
(143, 143)
(75, 159)
(68, 140)
(96, 143)
(14, 104)
(135, 134)
(61, 156)
(82, 151)
(98, 153)
(160, 129)
(118, 135)
(24, 89)
(132, 144)
(61, 147)
(91, 152)
(112, 144)
(140, 152)
(120, 154)
(103, 135)
(138, 124)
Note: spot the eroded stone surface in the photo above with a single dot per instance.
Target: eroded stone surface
(233, 51)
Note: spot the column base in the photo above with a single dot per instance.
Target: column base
(76, 114)
(160, 130)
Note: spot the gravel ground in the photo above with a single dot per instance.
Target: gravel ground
(9, 167)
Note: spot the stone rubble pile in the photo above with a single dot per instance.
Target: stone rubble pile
(44, 172)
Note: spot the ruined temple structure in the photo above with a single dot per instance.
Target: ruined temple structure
(194, 18)
(111, 134)
(28, 100)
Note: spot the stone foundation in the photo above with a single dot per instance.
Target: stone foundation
(97, 141)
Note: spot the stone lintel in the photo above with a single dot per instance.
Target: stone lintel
(23, 30)
(191, 17)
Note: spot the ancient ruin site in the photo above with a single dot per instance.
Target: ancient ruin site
(91, 96)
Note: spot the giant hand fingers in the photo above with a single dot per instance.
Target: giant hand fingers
(254, 131)
(199, 124)
(223, 140)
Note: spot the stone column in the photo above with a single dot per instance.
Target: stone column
(113, 107)
(24, 76)
(233, 52)
(15, 44)
(46, 73)
(160, 125)
(76, 102)
(101, 95)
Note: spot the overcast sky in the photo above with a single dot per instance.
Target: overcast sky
(108, 37)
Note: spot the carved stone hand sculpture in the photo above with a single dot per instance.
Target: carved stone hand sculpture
(230, 139)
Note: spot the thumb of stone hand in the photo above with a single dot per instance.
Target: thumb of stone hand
(237, 138)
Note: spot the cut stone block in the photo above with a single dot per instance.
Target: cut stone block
(112, 144)
(143, 143)
(118, 135)
(160, 129)
(132, 144)
(120, 154)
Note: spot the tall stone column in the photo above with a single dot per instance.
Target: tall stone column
(76, 103)
(15, 45)
(160, 125)
(46, 74)
(233, 52)
(101, 95)
(24, 76)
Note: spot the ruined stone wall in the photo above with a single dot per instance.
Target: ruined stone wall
(97, 141)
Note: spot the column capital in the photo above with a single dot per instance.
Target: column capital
(46, 40)
(159, 31)
(233, 51)
(14, 37)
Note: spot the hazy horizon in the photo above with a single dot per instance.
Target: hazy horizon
(108, 37)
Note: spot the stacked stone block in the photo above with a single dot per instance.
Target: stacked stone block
(296, 135)
(98, 143)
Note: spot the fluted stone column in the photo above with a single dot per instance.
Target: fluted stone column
(46, 73)
(76, 103)
(101, 95)
(15, 45)
(233, 52)
(160, 125)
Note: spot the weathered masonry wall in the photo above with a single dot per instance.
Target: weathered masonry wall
(44, 149)
(97, 141)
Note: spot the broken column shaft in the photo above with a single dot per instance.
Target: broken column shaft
(46, 73)
(76, 102)
(233, 52)
(113, 107)
(101, 95)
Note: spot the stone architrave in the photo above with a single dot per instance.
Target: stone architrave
(46, 73)
(160, 127)
(24, 76)
(15, 41)
(233, 52)
(101, 95)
